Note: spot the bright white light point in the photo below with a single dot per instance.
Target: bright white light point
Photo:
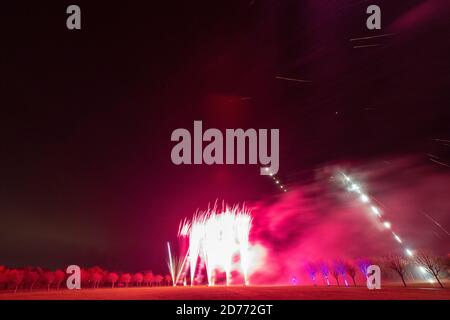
(277, 182)
(422, 269)
(375, 210)
(430, 280)
(409, 252)
(364, 198)
(387, 224)
(397, 238)
(267, 169)
(271, 174)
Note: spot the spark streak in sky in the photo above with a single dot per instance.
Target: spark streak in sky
(354, 187)
(276, 180)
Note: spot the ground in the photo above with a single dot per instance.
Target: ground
(238, 293)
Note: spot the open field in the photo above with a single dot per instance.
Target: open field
(237, 293)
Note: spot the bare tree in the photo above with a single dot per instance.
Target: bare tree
(339, 268)
(335, 273)
(325, 271)
(398, 264)
(351, 271)
(431, 263)
(311, 269)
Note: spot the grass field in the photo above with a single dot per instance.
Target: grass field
(392, 292)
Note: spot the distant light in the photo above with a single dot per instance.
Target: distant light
(387, 224)
(375, 210)
(409, 252)
(354, 187)
(430, 280)
(267, 169)
(422, 269)
(397, 238)
(364, 198)
(271, 174)
(294, 281)
(277, 182)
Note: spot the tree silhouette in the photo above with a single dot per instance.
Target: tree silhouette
(432, 264)
(339, 268)
(351, 271)
(398, 264)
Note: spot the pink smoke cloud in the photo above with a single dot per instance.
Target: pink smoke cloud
(321, 221)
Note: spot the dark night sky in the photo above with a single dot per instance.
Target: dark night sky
(86, 116)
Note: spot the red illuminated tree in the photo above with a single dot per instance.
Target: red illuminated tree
(31, 277)
(125, 279)
(137, 279)
(158, 279)
(148, 278)
(168, 279)
(96, 278)
(59, 278)
(3, 277)
(351, 271)
(113, 277)
(49, 278)
(15, 277)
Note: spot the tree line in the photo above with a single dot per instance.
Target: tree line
(31, 278)
(341, 272)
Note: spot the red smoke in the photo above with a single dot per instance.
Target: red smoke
(321, 221)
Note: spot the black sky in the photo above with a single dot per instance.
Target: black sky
(86, 116)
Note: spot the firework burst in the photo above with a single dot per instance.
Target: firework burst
(216, 236)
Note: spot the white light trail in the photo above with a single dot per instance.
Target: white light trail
(352, 186)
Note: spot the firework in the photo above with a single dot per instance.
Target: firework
(216, 236)
(353, 187)
(176, 265)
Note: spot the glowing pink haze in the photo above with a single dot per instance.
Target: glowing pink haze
(321, 221)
